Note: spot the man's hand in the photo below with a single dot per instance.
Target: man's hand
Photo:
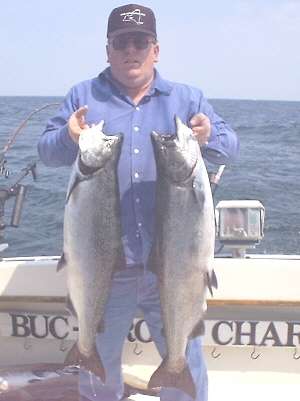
(201, 127)
(77, 123)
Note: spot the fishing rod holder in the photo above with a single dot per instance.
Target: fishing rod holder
(17, 191)
(3, 169)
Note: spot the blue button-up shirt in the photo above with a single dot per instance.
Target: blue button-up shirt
(136, 168)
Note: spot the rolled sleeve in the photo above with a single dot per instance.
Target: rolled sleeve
(56, 147)
(223, 145)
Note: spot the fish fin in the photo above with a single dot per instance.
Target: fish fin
(198, 191)
(92, 363)
(198, 330)
(73, 356)
(79, 174)
(212, 282)
(69, 306)
(214, 279)
(61, 263)
(74, 180)
(182, 380)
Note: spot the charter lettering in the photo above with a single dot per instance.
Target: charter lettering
(271, 334)
(216, 332)
(292, 334)
(222, 332)
(38, 326)
(245, 335)
(139, 332)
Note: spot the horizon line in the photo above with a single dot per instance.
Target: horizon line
(209, 98)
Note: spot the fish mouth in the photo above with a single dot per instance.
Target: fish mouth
(87, 143)
(97, 150)
(178, 137)
(163, 138)
(111, 139)
(174, 157)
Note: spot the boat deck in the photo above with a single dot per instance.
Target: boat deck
(232, 386)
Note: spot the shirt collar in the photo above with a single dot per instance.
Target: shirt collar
(159, 84)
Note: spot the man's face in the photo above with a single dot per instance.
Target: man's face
(132, 57)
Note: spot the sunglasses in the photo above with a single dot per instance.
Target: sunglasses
(140, 42)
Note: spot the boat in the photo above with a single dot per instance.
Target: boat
(252, 324)
(252, 327)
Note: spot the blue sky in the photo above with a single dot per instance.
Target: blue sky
(239, 49)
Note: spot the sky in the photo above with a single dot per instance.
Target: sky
(237, 49)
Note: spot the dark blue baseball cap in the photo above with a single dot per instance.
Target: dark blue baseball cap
(131, 18)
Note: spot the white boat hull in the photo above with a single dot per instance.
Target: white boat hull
(252, 326)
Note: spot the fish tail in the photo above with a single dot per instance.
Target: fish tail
(91, 363)
(183, 380)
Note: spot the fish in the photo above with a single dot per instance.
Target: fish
(92, 244)
(183, 250)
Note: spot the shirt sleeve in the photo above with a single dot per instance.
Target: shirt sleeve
(56, 147)
(223, 145)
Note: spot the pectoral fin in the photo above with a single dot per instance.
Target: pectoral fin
(212, 282)
(198, 192)
(198, 330)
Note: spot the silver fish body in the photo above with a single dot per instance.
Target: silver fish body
(183, 251)
(93, 248)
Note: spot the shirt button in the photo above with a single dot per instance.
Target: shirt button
(136, 128)
(137, 108)
(136, 151)
(137, 235)
(139, 224)
(137, 200)
(136, 175)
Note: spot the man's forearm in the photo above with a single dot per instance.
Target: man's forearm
(56, 147)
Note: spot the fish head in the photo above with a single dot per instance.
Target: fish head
(96, 148)
(176, 155)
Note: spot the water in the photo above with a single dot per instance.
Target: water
(267, 170)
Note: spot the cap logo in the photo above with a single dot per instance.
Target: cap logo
(134, 16)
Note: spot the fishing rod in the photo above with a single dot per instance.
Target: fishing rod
(17, 190)
(214, 179)
(11, 140)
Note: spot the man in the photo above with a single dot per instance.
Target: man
(132, 98)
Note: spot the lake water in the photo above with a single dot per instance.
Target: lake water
(267, 170)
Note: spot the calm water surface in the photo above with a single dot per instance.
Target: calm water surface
(267, 170)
